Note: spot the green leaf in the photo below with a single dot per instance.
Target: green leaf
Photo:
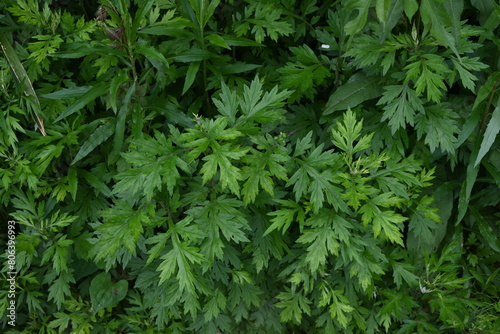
(59, 289)
(434, 15)
(410, 8)
(93, 93)
(438, 126)
(174, 29)
(73, 182)
(218, 41)
(471, 124)
(428, 70)
(232, 231)
(151, 53)
(215, 305)
(293, 305)
(423, 227)
(194, 54)
(256, 175)
(96, 183)
(179, 259)
(402, 271)
(237, 67)
(228, 103)
(357, 90)
(382, 9)
(362, 7)
(283, 217)
(190, 75)
(143, 9)
(67, 93)
(105, 293)
(393, 16)
(385, 221)
(485, 230)
(466, 189)
(303, 144)
(304, 74)
(114, 88)
(489, 135)
(121, 124)
(454, 9)
(401, 106)
(100, 135)
(155, 163)
(239, 41)
(118, 234)
(486, 89)
(348, 132)
(229, 174)
(339, 307)
(322, 241)
(262, 108)
(82, 49)
(22, 78)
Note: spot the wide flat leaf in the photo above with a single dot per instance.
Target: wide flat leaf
(105, 293)
(410, 8)
(354, 92)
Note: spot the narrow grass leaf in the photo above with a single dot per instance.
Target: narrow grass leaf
(21, 77)
(489, 135)
(190, 75)
(486, 231)
(85, 99)
(100, 135)
(67, 93)
(465, 192)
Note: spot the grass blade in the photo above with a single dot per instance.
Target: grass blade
(489, 135)
(100, 135)
(22, 78)
(85, 99)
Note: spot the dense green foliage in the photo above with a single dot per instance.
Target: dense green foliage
(196, 166)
